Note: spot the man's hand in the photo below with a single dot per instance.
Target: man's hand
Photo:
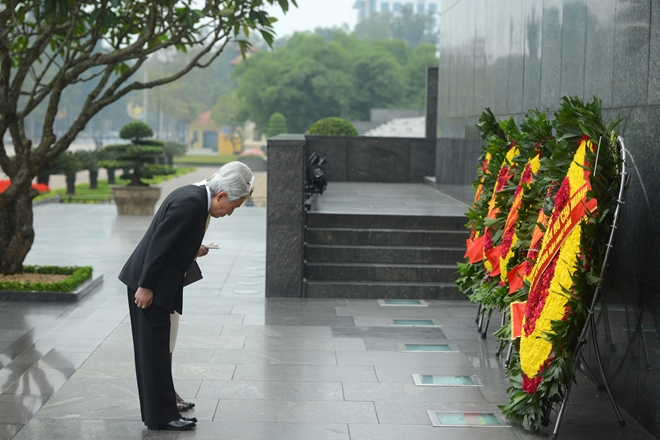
(144, 297)
(203, 250)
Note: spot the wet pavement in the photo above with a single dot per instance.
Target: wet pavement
(256, 368)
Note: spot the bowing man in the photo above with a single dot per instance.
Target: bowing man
(154, 276)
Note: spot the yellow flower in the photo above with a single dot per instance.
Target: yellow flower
(535, 349)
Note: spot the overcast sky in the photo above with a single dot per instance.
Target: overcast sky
(311, 14)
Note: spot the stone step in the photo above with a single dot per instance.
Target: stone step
(384, 254)
(366, 221)
(383, 290)
(386, 237)
(437, 273)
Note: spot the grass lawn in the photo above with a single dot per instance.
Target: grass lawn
(103, 191)
(214, 160)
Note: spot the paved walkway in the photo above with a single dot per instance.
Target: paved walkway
(256, 368)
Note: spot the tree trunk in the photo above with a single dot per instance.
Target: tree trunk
(93, 179)
(71, 184)
(43, 177)
(170, 160)
(16, 232)
(111, 176)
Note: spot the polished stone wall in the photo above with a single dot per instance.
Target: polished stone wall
(285, 214)
(375, 159)
(516, 55)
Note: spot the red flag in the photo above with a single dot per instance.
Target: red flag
(493, 256)
(517, 315)
(475, 250)
(515, 278)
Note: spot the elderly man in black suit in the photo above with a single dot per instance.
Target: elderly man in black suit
(154, 274)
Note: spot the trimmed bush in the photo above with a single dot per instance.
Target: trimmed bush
(276, 125)
(333, 127)
(137, 159)
(77, 275)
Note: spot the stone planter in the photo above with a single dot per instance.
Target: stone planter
(255, 163)
(135, 200)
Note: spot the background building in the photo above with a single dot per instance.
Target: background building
(367, 7)
(516, 55)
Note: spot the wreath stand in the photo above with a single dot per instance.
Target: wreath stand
(590, 323)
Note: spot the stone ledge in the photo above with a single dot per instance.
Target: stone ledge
(45, 296)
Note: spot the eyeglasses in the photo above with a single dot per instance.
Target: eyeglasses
(251, 187)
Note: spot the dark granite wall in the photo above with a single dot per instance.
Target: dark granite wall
(374, 159)
(515, 55)
(285, 213)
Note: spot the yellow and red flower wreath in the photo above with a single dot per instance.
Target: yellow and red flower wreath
(551, 276)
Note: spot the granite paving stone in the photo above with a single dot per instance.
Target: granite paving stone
(404, 393)
(295, 411)
(270, 343)
(268, 356)
(417, 432)
(256, 367)
(389, 358)
(270, 390)
(38, 381)
(268, 431)
(306, 373)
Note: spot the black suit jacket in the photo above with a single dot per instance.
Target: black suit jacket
(168, 248)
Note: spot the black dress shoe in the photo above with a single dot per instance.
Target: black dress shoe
(178, 425)
(189, 419)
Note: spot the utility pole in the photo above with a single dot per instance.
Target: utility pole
(144, 99)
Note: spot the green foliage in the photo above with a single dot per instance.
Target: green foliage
(89, 159)
(77, 276)
(136, 130)
(103, 191)
(333, 127)
(57, 49)
(67, 163)
(310, 78)
(414, 29)
(205, 160)
(531, 399)
(137, 158)
(276, 125)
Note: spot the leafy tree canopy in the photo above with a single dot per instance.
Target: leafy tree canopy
(311, 78)
(276, 125)
(48, 47)
(333, 127)
(413, 28)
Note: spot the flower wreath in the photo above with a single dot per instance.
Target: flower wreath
(552, 275)
(509, 237)
(491, 252)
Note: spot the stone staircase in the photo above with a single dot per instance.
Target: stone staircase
(383, 256)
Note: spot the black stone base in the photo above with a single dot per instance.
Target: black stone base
(43, 296)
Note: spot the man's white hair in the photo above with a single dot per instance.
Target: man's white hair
(234, 178)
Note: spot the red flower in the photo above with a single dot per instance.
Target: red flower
(537, 297)
(561, 198)
(506, 242)
(502, 178)
(530, 384)
(488, 240)
(41, 187)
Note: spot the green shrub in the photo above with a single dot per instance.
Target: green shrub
(333, 127)
(77, 275)
(137, 158)
(276, 125)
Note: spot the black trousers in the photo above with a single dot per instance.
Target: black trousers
(153, 367)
